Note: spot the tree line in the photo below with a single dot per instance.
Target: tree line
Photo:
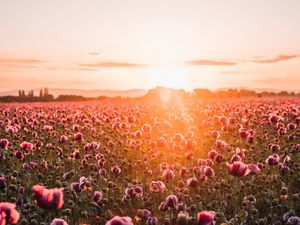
(45, 96)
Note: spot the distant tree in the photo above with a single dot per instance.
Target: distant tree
(283, 93)
(72, 98)
(202, 93)
(41, 93)
(22, 93)
(30, 94)
(46, 91)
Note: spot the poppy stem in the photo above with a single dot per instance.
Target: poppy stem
(236, 201)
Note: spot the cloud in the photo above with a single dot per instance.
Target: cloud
(67, 67)
(111, 64)
(85, 69)
(274, 59)
(19, 63)
(207, 62)
(10, 64)
(266, 60)
(232, 72)
(94, 53)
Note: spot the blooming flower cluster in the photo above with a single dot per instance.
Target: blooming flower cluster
(125, 162)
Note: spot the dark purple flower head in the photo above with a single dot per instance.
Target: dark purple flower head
(273, 160)
(146, 213)
(274, 147)
(151, 221)
(4, 143)
(208, 171)
(134, 191)
(2, 183)
(97, 197)
(293, 220)
(212, 154)
(116, 170)
(192, 182)
(219, 158)
(163, 207)
(76, 186)
(171, 201)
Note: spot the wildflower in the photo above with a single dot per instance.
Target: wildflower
(8, 213)
(57, 221)
(97, 197)
(2, 183)
(171, 201)
(146, 128)
(48, 198)
(116, 170)
(26, 145)
(134, 191)
(273, 160)
(157, 186)
(238, 169)
(78, 137)
(205, 218)
(168, 175)
(208, 171)
(192, 182)
(151, 220)
(254, 169)
(4, 143)
(117, 220)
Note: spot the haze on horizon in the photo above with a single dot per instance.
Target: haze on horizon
(141, 44)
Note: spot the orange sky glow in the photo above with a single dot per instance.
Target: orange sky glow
(141, 44)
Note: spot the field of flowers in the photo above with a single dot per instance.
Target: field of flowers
(122, 163)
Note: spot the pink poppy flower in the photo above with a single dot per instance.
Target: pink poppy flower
(4, 143)
(8, 213)
(26, 145)
(157, 186)
(48, 198)
(238, 169)
(97, 197)
(117, 220)
(168, 175)
(254, 169)
(57, 221)
(273, 160)
(205, 218)
(192, 182)
(171, 201)
(116, 170)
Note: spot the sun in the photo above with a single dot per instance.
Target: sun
(168, 76)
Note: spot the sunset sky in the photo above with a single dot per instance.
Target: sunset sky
(125, 44)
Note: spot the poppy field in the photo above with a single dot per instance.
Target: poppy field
(132, 162)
